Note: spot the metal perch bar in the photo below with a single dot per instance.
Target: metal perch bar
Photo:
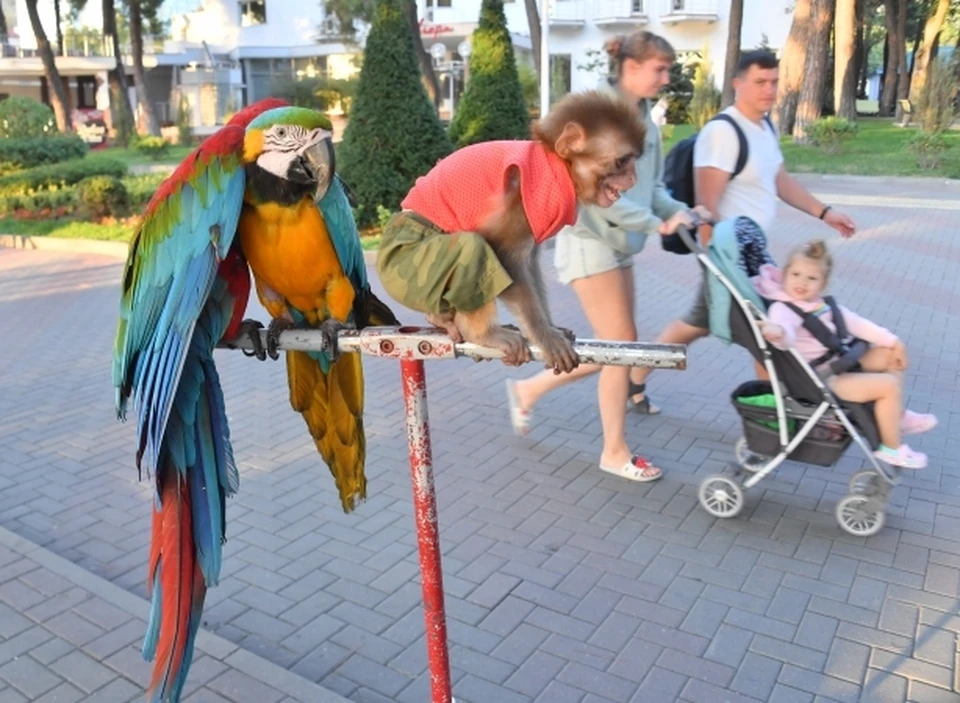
(410, 343)
(413, 345)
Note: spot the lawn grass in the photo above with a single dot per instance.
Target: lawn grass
(131, 157)
(67, 228)
(879, 149)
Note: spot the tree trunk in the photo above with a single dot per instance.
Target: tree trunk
(845, 64)
(733, 52)
(3, 26)
(58, 93)
(139, 78)
(432, 83)
(922, 57)
(120, 98)
(903, 82)
(895, 47)
(860, 53)
(533, 19)
(791, 67)
(810, 101)
(56, 12)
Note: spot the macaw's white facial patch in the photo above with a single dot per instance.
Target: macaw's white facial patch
(276, 162)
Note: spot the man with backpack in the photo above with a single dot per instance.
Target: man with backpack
(734, 167)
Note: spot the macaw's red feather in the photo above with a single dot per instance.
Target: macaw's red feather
(234, 270)
(254, 110)
(181, 587)
(224, 141)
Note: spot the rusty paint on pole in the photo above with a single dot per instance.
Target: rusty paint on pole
(428, 531)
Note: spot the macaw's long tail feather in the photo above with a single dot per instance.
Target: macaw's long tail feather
(178, 590)
(378, 314)
(197, 473)
(332, 405)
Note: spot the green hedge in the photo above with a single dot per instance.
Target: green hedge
(139, 188)
(21, 153)
(55, 176)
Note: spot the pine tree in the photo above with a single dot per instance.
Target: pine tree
(492, 106)
(394, 135)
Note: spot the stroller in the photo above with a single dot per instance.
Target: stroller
(792, 416)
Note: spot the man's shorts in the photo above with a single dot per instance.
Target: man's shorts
(427, 270)
(699, 313)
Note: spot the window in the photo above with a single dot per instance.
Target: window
(253, 12)
(560, 74)
(636, 7)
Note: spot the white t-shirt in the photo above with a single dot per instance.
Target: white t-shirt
(754, 191)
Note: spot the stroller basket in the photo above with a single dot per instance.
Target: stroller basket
(823, 446)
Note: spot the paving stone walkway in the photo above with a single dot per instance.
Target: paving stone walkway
(67, 635)
(563, 583)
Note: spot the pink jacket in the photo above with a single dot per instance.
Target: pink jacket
(769, 286)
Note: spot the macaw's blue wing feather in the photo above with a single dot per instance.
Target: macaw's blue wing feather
(175, 306)
(335, 208)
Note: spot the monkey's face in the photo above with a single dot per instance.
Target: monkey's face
(603, 173)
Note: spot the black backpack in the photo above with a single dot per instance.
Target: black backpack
(678, 164)
(678, 174)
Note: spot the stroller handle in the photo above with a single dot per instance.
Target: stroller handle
(686, 236)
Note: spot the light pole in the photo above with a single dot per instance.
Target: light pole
(464, 50)
(544, 57)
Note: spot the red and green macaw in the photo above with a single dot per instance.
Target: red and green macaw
(267, 176)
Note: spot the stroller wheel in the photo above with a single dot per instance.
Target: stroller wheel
(720, 496)
(858, 516)
(865, 483)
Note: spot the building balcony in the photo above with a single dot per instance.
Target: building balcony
(614, 12)
(567, 13)
(674, 11)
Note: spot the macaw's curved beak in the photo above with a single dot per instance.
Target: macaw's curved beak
(315, 165)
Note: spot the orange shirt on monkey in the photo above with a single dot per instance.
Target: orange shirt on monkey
(455, 203)
(469, 230)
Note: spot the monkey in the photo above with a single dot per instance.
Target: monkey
(469, 230)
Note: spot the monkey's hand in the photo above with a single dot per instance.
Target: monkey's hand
(557, 346)
(511, 343)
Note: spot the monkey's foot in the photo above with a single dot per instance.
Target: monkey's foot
(274, 329)
(330, 331)
(446, 323)
(566, 332)
(251, 328)
(558, 352)
(511, 343)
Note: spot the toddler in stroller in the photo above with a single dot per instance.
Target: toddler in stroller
(795, 415)
(859, 360)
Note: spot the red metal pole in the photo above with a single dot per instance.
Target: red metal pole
(428, 533)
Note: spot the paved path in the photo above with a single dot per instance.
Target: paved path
(67, 635)
(563, 584)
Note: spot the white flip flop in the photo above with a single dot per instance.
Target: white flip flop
(637, 469)
(519, 418)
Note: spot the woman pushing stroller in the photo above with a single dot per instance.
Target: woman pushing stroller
(860, 361)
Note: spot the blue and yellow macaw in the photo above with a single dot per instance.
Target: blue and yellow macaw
(267, 176)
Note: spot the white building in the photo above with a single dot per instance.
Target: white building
(224, 54)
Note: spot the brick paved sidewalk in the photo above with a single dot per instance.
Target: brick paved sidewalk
(67, 635)
(563, 584)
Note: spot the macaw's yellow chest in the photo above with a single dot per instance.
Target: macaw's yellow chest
(290, 251)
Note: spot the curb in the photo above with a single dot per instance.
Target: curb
(80, 246)
(232, 655)
(94, 246)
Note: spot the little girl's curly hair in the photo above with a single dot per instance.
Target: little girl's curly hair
(815, 251)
